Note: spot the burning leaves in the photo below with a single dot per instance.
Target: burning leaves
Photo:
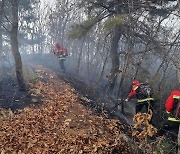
(60, 125)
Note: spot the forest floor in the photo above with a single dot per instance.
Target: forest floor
(52, 118)
(55, 116)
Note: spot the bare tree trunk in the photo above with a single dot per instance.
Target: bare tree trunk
(179, 75)
(1, 15)
(88, 60)
(14, 45)
(80, 56)
(103, 68)
(114, 58)
(178, 70)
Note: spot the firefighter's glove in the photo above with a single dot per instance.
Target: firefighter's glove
(126, 100)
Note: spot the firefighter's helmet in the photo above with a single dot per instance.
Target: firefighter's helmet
(136, 82)
(57, 44)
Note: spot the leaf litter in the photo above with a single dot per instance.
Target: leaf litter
(61, 124)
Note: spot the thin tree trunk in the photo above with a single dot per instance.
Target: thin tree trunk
(32, 39)
(80, 56)
(88, 60)
(114, 58)
(178, 69)
(14, 45)
(103, 68)
(1, 15)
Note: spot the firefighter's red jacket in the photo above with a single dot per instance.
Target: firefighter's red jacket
(133, 91)
(170, 101)
(62, 50)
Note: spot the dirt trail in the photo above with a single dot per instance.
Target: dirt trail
(60, 123)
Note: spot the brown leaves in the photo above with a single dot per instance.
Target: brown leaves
(142, 121)
(61, 125)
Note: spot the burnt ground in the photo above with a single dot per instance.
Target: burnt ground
(14, 98)
(11, 96)
(101, 103)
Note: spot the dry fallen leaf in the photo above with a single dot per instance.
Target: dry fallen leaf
(61, 125)
(142, 120)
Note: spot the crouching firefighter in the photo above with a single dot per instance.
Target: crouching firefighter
(143, 93)
(173, 106)
(172, 120)
(61, 53)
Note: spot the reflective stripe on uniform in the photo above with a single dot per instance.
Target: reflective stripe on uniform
(144, 100)
(173, 119)
(176, 97)
(62, 58)
(135, 88)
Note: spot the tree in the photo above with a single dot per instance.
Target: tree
(30, 28)
(109, 11)
(112, 12)
(14, 44)
(114, 57)
(1, 16)
(12, 32)
(136, 37)
(59, 20)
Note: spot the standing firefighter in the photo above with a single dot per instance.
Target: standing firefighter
(143, 93)
(61, 53)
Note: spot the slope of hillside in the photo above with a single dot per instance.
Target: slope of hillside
(60, 123)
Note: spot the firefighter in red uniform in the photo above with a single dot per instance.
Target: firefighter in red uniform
(171, 123)
(143, 100)
(61, 53)
(173, 106)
